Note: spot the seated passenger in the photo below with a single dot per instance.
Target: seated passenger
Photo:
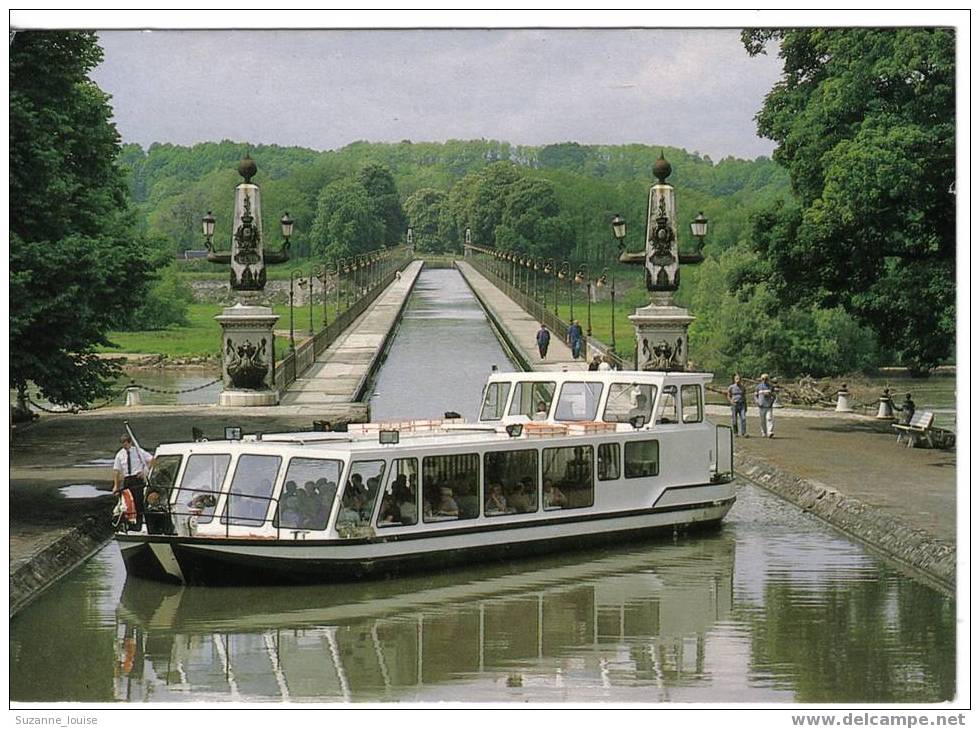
(496, 502)
(350, 509)
(390, 513)
(447, 505)
(521, 497)
(157, 514)
(542, 412)
(553, 498)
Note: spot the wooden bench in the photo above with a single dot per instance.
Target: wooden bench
(918, 429)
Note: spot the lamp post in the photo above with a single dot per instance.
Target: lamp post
(699, 229)
(561, 272)
(293, 275)
(583, 275)
(604, 277)
(207, 223)
(347, 264)
(338, 265)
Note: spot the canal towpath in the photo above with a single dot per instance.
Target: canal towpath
(341, 372)
(517, 327)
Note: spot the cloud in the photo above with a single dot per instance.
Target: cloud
(691, 88)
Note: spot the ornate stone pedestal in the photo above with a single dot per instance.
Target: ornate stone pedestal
(248, 356)
(661, 336)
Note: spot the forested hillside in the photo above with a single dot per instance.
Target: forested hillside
(555, 201)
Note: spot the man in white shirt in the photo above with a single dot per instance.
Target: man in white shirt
(129, 471)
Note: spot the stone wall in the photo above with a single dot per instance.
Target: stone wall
(933, 559)
(57, 559)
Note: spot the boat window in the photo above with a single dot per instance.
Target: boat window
(691, 403)
(316, 479)
(359, 496)
(495, 401)
(567, 477)
(200, 485)
(627, 400)
(642, 458)
(528, 397)
(667, 412)
(608, 464)
(163, 476)
(450, 487)
(251, 490)
(510, 481)
(400, 501)
(578, 401)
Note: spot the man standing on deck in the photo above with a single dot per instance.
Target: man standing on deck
(129, 471)
(544, 339)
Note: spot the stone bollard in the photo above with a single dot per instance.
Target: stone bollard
(133, 397)
(886, 408)
(844, 400)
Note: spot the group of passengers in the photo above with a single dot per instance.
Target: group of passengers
(306, 507)
(442, 501)
(398, 506)
(358, 501)
(518, 498)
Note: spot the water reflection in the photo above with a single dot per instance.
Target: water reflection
(646, 612)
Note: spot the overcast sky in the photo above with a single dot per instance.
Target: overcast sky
(696, 89)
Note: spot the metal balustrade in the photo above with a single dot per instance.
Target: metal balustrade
(480, 260)
(296, 362)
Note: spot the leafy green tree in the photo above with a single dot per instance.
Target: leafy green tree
(380, 186)
(76, 259)
(165, 304)
(864, 121)
(424, 210)
(346, 222)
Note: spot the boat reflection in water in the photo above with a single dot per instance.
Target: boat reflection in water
(503, 632)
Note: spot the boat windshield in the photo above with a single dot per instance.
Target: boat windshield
(627, 400)
(308, 493)
(578, 401)
(495, 401)
(200, 485)
(532, 399)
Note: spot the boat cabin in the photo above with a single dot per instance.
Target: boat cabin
(603, 443)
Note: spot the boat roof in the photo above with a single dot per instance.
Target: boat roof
(637, 376)
(351, 443)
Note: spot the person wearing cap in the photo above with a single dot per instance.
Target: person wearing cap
(129, 471)
(765, 397)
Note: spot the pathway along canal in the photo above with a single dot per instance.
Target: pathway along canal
(773, 607)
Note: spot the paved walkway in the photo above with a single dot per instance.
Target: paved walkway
(339, 373)
(519, 326)
(858, 456)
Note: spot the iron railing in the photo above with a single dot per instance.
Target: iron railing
(297, 361)
(480, 260)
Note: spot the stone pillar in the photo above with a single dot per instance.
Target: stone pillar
(661, 336)
(248, 356)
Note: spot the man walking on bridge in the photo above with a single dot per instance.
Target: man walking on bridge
(575, 338)
(544, 339)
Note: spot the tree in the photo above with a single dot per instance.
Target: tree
(380, 187)
(864, 121)
(346, 223)
(424, 211)
(76, 260)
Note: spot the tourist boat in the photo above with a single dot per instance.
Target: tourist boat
(556, 461)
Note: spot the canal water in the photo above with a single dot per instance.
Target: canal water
(774, 607)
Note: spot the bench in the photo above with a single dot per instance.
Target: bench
(921, 430)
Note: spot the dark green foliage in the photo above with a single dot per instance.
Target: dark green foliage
(77, 263)
(424, 210)
(346, 223)
(380, 186)
(864, 120)
(165, 303)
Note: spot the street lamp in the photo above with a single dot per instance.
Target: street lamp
(561, 271)
(612, 297)
(293, 275)
(287, 228)
(699, 229)
(409, 238)
(583, 275)
(207, 222)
